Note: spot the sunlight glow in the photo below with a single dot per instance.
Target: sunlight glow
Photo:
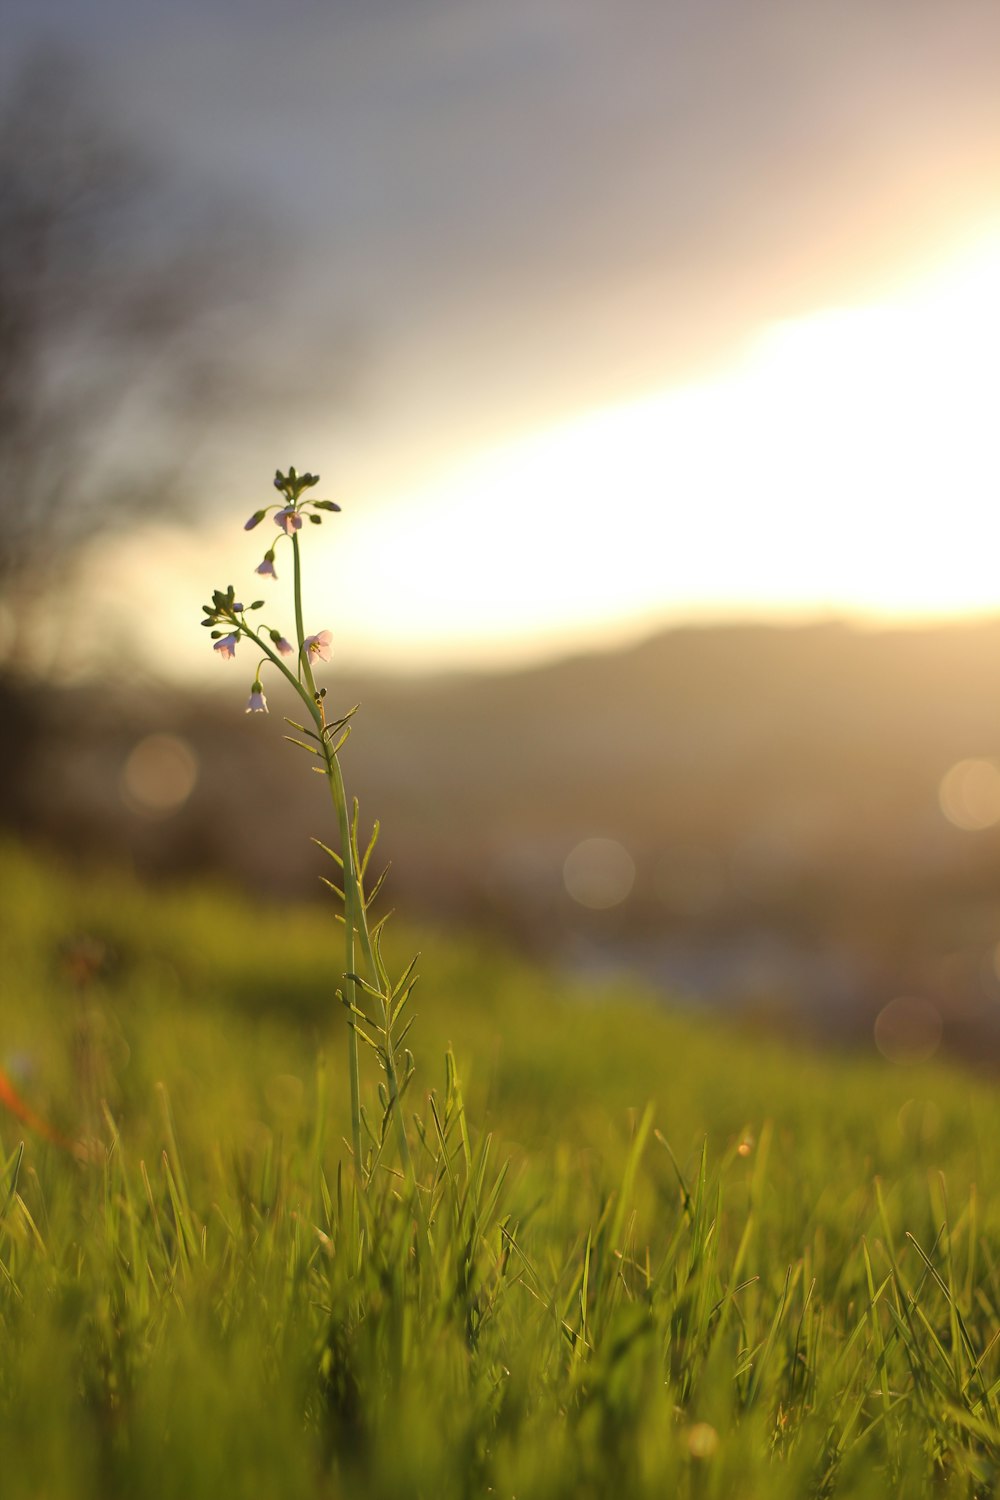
(847, 463)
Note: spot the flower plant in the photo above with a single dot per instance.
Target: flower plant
(374, 1006)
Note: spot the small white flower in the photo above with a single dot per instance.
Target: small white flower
(257, 703)
(226, 647)
(285, 647)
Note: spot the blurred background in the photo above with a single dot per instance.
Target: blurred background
(652, 354)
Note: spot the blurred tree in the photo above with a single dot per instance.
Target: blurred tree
(119, 301)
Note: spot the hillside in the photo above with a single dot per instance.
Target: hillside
(777, 789)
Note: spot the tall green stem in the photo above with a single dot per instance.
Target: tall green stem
(355, 915)
(336, 781)
(375, 978)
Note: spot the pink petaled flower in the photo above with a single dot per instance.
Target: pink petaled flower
(288, 519)
(257, 703)
(285, 647)
(319, 645)
(226, 647)
(266, 568)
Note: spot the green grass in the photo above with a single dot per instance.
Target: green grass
(599, 1292)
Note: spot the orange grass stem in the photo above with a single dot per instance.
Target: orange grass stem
(12, 1102)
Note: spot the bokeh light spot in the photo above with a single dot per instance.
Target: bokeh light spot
(159, 775)
(599, 873)
(919, 1122)
(970, 794)
(908, 1029)
(702, 1440)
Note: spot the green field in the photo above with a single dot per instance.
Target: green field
(649, 1254)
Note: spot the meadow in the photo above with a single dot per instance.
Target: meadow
(641, 1252)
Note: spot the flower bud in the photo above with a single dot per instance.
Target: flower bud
(255, 520)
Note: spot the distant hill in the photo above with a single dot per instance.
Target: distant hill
(777, 789)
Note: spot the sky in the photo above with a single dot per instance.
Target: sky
(594, 318)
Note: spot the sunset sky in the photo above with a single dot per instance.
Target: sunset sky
(647, 312)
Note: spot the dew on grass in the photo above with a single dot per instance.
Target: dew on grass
(599, 873)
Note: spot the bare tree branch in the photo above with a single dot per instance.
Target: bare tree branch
(120, 305)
